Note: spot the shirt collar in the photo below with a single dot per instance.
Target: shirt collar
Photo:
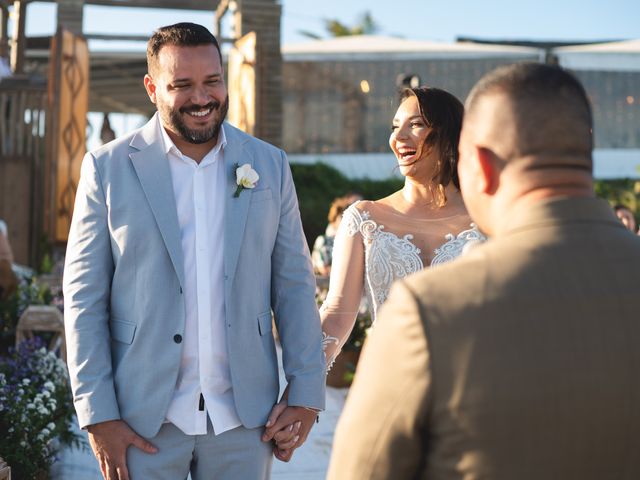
(170, 147)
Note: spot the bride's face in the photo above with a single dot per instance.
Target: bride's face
(407, 140)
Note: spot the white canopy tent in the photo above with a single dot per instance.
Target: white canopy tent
(374, 47)
(612, 56)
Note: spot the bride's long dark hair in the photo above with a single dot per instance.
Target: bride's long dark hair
(442, 112)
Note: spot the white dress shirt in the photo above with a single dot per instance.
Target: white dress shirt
(204, 367)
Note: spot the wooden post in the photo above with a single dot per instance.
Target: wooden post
(4, 31)
(70, 15)
(67, 117)
(263, 18)
(19, 37)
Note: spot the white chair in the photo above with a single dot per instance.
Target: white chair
(43, 318)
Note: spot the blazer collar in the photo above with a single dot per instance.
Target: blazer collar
(236, 153)
(152, 167)
(561, 211)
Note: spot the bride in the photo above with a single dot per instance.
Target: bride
(382, 240)
(423, 224)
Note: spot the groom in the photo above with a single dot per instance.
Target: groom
(174, 265)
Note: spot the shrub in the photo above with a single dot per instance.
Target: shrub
(623, 191)
(28, 293)
(36, 409)
(318, 184)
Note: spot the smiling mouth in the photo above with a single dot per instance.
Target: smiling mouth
(406, 154)
(199, 113)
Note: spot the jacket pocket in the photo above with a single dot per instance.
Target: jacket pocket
(122, 331)
(258, 196)
(264, 323)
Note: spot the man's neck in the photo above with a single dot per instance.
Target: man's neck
(195, 151)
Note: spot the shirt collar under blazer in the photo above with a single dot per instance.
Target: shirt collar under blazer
(152, 167)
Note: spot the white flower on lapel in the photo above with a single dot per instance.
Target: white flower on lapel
(246, 177)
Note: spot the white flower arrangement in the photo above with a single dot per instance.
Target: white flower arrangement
(36, 409)
(246, 177)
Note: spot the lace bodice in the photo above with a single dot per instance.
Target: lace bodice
(386, 256)
(374, 247)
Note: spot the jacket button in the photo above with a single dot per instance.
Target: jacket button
(177, 338)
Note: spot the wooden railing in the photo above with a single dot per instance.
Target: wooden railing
(23, 122)
(22, 117)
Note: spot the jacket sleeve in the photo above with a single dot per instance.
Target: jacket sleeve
(87, 278)
(380, 434)
(293, 300)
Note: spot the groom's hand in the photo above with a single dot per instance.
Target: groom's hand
(288, 427)
(109, 442)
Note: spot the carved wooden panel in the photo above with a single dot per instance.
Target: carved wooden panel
(69, 101)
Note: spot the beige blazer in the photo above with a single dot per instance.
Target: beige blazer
(520, 360)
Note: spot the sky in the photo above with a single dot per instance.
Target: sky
(578, 20)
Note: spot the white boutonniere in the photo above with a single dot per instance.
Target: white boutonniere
(246, 177)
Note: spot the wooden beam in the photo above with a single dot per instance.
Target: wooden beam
(113, 105)
(222, 8)
(107, 36)
(209, 5)
(17, 47)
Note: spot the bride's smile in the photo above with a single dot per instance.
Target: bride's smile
(408, 134)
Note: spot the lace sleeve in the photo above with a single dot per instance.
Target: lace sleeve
(340, 308)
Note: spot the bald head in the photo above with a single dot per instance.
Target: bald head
(536, 110)
(526, 135)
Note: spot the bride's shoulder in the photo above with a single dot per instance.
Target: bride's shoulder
(355, 216)
(355, 212)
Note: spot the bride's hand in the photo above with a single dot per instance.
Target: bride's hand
(284, 437)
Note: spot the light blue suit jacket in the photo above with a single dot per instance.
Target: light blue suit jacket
(124, 274)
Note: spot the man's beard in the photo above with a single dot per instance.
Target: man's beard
(202, 135)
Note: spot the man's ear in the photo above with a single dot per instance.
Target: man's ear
(150, 87)
(489, 170)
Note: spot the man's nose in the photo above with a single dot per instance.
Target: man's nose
(200, 96)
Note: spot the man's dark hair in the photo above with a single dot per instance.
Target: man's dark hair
(618, 206)
(550, 108)
(180, 34)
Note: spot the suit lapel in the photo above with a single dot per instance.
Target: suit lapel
(236, 208)
(152, 167)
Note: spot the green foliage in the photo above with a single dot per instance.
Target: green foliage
(36, 409)
(360, 331)
(625, 192)
(319, 184)
(27, 293)
(46, 266)
(365, 25)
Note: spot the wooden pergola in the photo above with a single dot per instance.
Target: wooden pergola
(106, 81)
(116, 77)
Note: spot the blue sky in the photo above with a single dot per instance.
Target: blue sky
(416, 19)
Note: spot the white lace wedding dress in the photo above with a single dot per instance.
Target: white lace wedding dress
(375, 246)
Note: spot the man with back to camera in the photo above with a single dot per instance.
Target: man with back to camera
(186, 234)
(519, 360)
